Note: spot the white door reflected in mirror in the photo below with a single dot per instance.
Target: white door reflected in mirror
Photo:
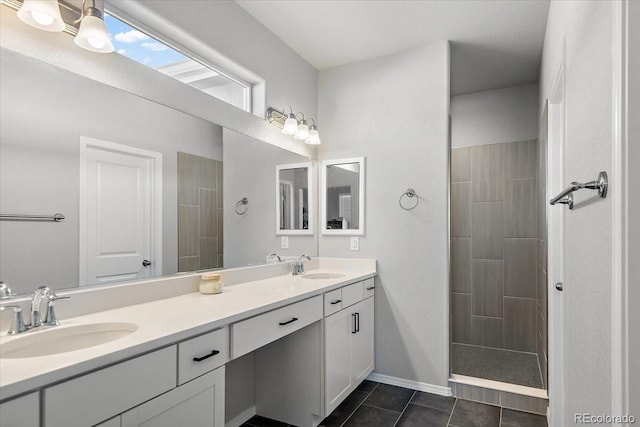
(343, 196)
(294, 199)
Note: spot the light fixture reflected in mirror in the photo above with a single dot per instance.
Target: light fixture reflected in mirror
(93, 34)
(302, 132)
(42, 14)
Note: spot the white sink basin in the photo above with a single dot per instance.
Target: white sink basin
(323, 276)
(63, 339)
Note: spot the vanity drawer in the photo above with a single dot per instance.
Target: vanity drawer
(253, 333)
(332, 302)
(352, 294)
(202, 354)
(369, 287)
(95, 397)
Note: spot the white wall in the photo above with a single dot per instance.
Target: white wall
(44, 112)
(223, 26)
(585, 29)
(250, 171)
(394, 110)
(504, 115)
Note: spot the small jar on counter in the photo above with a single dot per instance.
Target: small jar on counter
(211, 283)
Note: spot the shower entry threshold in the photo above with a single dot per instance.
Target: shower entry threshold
(513, 396)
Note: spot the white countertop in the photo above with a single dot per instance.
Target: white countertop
(165, 322)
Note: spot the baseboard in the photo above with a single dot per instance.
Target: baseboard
(242, 417)
(401, 382)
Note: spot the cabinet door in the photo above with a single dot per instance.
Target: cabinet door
(21, 412)
(362, 342)
(198, 403)
(338, 329)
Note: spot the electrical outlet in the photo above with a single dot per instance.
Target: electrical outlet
(355, 243)
(284, 242)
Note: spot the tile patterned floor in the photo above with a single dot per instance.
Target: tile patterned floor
(380, 405)
(513, 367)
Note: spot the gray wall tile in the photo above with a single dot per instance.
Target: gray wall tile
(461, 164)
(461, 318)
(487, 287)
(486, 331)
(208, 174)
(487, 172)
(188, 231)
(461, 210)
(190, 263)
(521, 159)
(188, 181)
(520, 256)
(208, 213)
(461, 265)
(520, 324)
(219, 182)
(208, 252)
(520, 209)
(486, 225)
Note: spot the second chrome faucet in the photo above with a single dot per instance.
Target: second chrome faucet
(298, 267)
(42, 302)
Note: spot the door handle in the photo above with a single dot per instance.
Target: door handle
(357, 322)
(353, 317)
(146, 263)
(559, 286)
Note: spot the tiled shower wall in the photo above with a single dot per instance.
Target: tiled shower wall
(199, 213)
(541, 312)
(494, 245)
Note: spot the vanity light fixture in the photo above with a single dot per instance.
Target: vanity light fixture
(93, 34)
(42, 14)
(302, 132)
(291, 126)
(314, 135)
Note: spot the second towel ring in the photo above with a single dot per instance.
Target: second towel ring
(410, 194)
(242, 206)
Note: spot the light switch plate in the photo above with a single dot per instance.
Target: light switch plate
(284, 242)
(355, 243)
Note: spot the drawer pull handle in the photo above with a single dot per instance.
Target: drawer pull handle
(288, 321)
(200, 359)
(336, 301)
(370, 288)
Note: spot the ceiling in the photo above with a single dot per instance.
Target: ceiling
(495, 43)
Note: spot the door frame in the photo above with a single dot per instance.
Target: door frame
(88, 143)
(556, 138)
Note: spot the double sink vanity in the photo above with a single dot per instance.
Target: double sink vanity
(161, 360)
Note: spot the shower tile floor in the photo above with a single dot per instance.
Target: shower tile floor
(379, 405)
(498, 365)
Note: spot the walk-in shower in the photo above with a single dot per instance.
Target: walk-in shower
(498, 263)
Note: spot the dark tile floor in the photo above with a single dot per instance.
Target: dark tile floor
(380, 405)
(499, 365)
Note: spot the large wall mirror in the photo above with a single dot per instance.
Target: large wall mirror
(343, 208)
(295, 199)
(163, 185)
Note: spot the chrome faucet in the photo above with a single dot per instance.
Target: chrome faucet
(17, 324)
(40, 295)
(298, 267)
(274, 256)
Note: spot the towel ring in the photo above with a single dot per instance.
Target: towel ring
(242, 206)
(410, 194)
